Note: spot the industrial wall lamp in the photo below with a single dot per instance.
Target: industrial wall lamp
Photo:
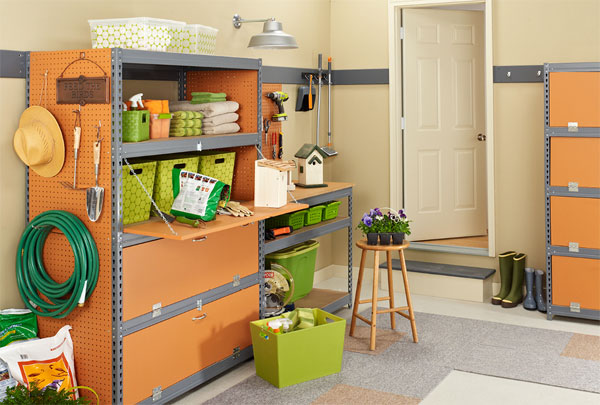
(272, 36)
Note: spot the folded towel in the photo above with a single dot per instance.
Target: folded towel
(220, 119)
(207, 94)
(212, 109)
(184, 106)
(177, 132)
(207, 100)
(192, 131)
(229, 128)
(195, 123)
(178, 115)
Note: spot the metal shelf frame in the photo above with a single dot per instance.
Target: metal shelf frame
(307, 233)
(549, 132)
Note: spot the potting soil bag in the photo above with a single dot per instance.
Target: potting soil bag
(17, 324)
(47, 362)
(197, 196)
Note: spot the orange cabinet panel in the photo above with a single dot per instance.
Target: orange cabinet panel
(575, 219)
(575, 160)
(575, 97)
(170, 351)
(169, 271)
(576, 280)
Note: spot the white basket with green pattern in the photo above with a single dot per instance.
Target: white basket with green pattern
(200, 39)
(151, 34)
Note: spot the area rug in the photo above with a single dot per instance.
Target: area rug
(445, 343)
(361, 341)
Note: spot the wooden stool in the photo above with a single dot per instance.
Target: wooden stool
(374, 299)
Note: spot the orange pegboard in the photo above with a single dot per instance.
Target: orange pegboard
(92, 324)
(239, 85)
(242, 188)
(268, 109)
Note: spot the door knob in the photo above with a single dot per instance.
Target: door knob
(481, 137)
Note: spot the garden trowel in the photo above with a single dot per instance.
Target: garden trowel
(95, 195)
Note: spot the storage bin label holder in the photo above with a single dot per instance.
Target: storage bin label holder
(83, 90)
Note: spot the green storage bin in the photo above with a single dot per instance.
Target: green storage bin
(294, 219)
(314, 215)
(218, 165)
(136, 125)
(163, 182)
(300, 261)
(136, 204)
(331, 210)
(301, 355)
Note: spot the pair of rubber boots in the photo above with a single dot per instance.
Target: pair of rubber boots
(534, 301)
(512, 266)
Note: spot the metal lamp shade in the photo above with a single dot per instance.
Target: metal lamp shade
(273, 37)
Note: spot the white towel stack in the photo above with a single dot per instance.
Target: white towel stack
(219, 117)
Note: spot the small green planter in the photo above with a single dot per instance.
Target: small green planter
(294, 219)
(331, 210)
(136, 126)
(302, 355)
(314, 215)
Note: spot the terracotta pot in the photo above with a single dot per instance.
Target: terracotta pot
(384, 238)
(398, 238)
(372, 238)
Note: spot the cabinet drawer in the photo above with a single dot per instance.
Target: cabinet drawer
(169, 271)
(575, 219)
(170, 351)
(575, 160)
(575, 97)
(576, 280)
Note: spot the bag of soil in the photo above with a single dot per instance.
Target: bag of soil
(197, 196)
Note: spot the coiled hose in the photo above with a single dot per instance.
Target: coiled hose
(32, 278)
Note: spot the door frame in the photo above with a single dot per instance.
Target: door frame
(395, 102)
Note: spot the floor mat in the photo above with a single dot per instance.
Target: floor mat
(445, 344)
(361, 341)
(347, 395)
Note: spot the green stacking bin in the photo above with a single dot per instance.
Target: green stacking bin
(163, 183)
(331, 210)
(300, 260)
(314, 215)
(301, 355)
(218, 165)
(136, 204)
(136, 125)
(294, 219)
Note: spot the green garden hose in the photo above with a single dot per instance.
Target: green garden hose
(34, 281)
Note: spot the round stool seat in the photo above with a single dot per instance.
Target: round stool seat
(382, 248)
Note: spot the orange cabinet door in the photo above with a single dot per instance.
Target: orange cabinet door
(575, 160)
(575, 219)
(575, 97)
(576, 280)
(168, 352)
(168, 271)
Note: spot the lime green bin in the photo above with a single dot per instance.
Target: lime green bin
(301, 355)
(300, 260)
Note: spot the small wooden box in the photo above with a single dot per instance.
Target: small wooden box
(271, 180)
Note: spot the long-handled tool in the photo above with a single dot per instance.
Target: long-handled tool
(76, 141)
(329, 151)
(95, 195)
(320, 75)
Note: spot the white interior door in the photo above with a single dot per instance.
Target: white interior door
(444, 111)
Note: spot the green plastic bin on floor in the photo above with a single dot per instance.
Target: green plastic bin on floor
(300, 260)
(299, 356)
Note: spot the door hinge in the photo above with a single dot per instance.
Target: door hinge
(156, 393)
(402, 33)
(236, 280)
(156, 309)
(236, 352)
(402, 124)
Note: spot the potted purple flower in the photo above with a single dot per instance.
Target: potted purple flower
(400, 226)
(370, 225)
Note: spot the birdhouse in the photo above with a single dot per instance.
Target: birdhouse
(271, 179)
(310, 166)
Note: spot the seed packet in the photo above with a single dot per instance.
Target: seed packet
(197, 196)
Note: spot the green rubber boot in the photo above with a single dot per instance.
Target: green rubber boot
(506, 273)
(515, 296)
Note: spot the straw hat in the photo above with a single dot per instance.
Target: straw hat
(39, 142)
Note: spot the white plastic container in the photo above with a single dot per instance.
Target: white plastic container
(199, 39)
(151, 34)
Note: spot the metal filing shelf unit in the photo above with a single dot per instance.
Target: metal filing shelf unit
(573, 250)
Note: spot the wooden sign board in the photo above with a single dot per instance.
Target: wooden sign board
(83, 90)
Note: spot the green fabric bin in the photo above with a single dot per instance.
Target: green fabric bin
(331, 210)
(300, 261)
(294, 219)
(136, 125)
(136, 204)
(218, 165)
(314, 215)
(163, 182)
(301, 355)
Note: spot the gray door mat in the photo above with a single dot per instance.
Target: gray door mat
(451, 270)
(445, 344)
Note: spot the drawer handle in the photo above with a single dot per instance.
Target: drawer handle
(199, 318)
(248, 224)
(202, 239)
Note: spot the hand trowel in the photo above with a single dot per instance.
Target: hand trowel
(95, 195)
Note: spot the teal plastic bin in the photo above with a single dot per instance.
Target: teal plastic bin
(300, 260)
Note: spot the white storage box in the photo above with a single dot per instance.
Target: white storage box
(151, 34)
(271, 179)
(196, 38)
